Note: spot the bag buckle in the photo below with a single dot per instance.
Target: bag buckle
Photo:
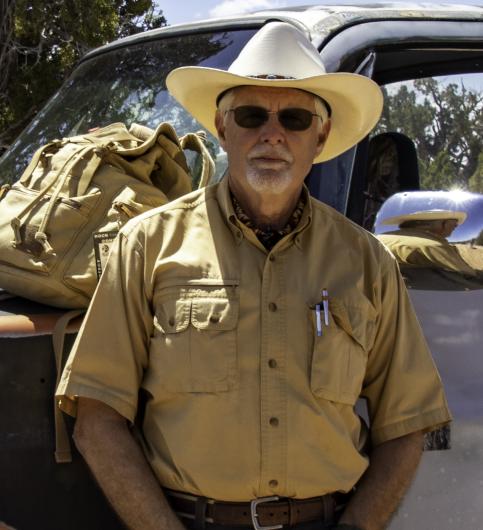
(253, 511)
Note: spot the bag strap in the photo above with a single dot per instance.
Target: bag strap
(98, 152)
(36, 159)
(63, 453)
(196, 142)
(16, 222)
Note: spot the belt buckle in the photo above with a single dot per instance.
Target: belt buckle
(253, 511)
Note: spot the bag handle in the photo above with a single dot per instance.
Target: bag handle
(196, 142)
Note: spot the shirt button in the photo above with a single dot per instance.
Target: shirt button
(214, 319)
(272, 306)
(171, 321)
(272, 363)
(274, 422)
(271, 257)
(273, 483)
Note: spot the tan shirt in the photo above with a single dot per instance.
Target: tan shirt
(240, 397)
(424, 249)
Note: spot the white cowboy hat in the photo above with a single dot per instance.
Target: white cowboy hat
(427, 215)
(279, 55)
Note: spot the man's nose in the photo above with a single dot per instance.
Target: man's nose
(272, 131)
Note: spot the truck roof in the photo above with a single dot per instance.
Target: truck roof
(317, 21)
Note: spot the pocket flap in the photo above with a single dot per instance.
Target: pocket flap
(357, 320)
(173, 315)
(215, 314)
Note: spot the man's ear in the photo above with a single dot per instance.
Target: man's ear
(323, 134)
(220, 128)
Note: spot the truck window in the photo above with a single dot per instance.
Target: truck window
(126, 84)
(430, 140)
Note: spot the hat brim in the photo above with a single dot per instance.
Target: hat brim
(356, 101)
(435, 215)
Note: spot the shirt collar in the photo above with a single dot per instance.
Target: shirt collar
(223, 197)
(226, 205)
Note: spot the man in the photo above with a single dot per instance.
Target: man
(239, 325)
(421, 240)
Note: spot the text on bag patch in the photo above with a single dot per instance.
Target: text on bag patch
(102, 245)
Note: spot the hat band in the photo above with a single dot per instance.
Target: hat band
(271, 76)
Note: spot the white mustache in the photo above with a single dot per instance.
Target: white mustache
(278, 153)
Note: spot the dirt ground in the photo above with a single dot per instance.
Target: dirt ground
(473, 255)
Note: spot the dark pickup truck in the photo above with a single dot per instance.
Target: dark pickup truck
(125, 82)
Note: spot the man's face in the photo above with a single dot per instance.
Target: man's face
(269, 159)
(448, 227)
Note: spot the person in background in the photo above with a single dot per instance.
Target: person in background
(421, 240)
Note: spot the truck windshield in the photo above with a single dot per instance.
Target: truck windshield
(126, 84)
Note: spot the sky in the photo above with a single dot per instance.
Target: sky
(178, 11)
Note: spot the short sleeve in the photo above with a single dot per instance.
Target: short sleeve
(442, 256)
(110, 353)
(402, 386)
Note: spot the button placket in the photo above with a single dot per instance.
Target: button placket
(273, 377)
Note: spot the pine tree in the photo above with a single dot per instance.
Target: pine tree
(40, 43)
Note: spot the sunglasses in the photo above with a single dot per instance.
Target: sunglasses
(292, 119)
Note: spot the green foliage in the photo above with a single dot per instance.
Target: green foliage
(445, 122)
(42, 42)
(438, 174)
(476, 180)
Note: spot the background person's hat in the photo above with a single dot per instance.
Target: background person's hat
(427, 215)
(279, 55)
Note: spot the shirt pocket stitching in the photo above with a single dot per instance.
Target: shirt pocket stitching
(173, 316)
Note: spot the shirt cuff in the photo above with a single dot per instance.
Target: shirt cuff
(426, 422)
(67, 400)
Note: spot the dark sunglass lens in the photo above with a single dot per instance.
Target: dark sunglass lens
(295, 119)
(250, 117)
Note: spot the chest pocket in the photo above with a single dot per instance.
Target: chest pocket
(340, 353)
(193, 347)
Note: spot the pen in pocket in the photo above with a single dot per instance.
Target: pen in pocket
(325, 304)
(318, 320)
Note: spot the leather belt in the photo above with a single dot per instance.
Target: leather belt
(262, 514)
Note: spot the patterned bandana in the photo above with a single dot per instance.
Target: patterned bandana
(266, 235)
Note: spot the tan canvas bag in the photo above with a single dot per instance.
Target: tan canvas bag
(58, 220)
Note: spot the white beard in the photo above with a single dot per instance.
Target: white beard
(269, 181)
